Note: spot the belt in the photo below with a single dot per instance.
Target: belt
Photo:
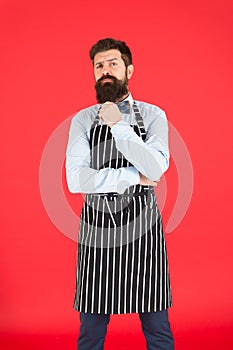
(110, 196)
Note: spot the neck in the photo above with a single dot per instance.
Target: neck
(122, 98)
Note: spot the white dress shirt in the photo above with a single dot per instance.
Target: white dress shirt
(149, 157)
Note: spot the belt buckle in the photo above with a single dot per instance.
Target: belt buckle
(111, 196)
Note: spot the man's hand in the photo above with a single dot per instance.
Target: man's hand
(110, 113)
(144, 181)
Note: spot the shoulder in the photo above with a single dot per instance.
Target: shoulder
(86, 116)
(150, 112)
(146, 108)
(152, 115)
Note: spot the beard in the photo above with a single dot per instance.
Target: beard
(111, 91)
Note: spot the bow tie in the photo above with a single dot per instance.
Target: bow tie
(124, 107)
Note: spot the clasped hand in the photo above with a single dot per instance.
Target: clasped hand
(144, 181)
(110, 113)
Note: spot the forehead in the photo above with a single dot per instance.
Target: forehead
(107, 55)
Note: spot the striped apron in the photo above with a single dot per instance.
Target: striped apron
(122, 260)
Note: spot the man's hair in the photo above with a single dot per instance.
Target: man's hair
(112, 44)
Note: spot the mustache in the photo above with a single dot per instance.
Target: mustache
(106, 77)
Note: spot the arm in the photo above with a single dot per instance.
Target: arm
(80, 176)
(150, 158)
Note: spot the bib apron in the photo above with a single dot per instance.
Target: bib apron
(122, 262)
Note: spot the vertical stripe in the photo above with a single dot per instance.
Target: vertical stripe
(133, 245)
(161, 265)
(126, 261)
(101, 261)
(113, 268)
(111, 151)
(120, 260)
(98, 153)
(107, 271)
(156, 257)
(105, 146)
(151, 252)
(164, 271)
(145, 259)
(88, 247)
(117, 160)
(92, 143)
(139, 250)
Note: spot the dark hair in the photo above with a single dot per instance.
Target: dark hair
(111, 44)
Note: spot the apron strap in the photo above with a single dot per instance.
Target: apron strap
(139, 120)
(96, 120)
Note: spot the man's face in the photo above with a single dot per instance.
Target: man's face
(111, 76)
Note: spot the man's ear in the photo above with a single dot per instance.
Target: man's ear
(130, 70)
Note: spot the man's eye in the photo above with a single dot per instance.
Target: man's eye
(98, 66)
(113, 64)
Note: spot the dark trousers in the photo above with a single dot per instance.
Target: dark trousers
(155, 326)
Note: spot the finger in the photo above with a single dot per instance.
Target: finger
(107, 103)
(105, 108)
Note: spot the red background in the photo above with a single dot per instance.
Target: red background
(183, 62)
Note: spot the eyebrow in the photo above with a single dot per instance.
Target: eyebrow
(109, 60)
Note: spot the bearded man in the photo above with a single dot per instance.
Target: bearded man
(116, 153)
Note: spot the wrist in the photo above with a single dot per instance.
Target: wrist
(114, 123)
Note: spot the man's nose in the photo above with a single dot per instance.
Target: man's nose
(106, 70)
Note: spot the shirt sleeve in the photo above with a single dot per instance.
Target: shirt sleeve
(81, 178)
(150, 157)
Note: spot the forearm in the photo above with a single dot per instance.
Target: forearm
(88, 180)
(150, 159)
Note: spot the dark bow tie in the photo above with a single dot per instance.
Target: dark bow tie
(124, 107)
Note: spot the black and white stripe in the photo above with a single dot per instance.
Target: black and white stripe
(122, 260)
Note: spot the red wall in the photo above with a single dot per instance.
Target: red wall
(183, 63)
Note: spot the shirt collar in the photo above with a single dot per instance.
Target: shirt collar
(130, 99)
